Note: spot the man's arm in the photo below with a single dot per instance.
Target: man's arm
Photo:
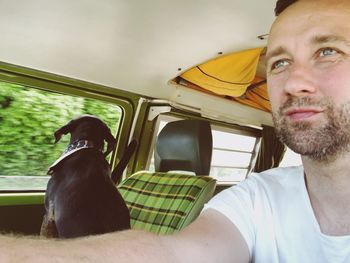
(211, 238)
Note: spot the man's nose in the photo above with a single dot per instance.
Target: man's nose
(300, 81)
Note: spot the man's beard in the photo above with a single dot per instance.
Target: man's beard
(323, 142)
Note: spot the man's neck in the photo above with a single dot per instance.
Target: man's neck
(328, 186)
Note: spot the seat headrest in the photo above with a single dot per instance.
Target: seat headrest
(184, 145)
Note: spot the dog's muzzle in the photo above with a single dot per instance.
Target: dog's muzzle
(73, 148)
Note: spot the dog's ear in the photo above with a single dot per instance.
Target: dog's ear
(111, 142)
(63, 130)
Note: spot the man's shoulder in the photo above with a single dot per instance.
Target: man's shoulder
(271, 183)
(280, 172)
(280, 176)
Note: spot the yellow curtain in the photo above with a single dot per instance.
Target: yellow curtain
(232, 76)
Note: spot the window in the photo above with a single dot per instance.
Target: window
(28, 119)
(290, 158)
(233, 153)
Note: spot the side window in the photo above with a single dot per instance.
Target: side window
(233, 153)
(28, 119)
(290, 158)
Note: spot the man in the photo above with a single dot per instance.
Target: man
(281, 215)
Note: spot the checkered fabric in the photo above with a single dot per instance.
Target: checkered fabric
(165, 203)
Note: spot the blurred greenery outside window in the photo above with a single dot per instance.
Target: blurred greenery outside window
(28, 120)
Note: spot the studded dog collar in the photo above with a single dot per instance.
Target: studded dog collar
(72, 148)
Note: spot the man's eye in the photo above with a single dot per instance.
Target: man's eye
(327, 52)
(279, 64)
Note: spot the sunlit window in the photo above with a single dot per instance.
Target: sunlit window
(290, 158)
(28, 119)
(232, 155)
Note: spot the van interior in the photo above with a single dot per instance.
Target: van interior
(184, 79)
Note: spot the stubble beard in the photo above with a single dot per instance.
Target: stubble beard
(320, 142)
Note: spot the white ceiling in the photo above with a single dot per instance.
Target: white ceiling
(132, 45)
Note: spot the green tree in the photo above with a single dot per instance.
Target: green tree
(28, 119)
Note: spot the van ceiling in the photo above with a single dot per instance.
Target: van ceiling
(127, 44)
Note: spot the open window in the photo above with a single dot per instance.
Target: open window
(28, 119)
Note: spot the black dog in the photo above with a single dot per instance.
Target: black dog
(81, 198)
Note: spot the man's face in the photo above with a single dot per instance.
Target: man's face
(308, 75)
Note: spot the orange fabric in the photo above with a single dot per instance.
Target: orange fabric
(231, 77)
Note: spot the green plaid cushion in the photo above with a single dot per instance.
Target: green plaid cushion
(164, 203)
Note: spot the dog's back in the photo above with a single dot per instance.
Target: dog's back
(85, 201)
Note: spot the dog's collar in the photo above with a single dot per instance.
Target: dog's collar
(80, 144)
(72, 148)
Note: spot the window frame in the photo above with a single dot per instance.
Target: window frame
(67, 86)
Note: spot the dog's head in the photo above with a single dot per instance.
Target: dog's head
(90, 128)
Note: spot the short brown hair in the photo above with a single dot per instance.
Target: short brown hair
(281, 5)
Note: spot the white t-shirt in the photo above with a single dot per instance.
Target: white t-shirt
(272, 210)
